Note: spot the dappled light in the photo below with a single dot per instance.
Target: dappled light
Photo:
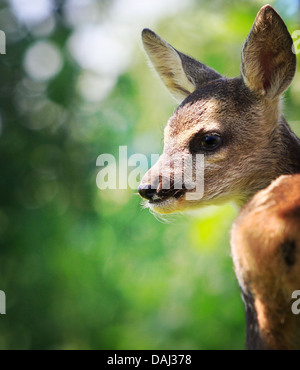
(42, 61)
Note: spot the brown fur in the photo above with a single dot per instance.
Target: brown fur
(266, 251)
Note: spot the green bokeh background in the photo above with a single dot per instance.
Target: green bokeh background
(90, 269)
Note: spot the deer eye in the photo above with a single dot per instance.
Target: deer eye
(206, 142)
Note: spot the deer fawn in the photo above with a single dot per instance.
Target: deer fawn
(238, 126)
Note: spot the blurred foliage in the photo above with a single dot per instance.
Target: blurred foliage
(90, 269)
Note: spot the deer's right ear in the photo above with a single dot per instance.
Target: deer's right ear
(268, 62)
(181, 74)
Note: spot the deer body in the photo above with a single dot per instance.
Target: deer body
(236, 124)
(266, 252)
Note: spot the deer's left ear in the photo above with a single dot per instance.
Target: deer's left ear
(180, 73)
(268, 62)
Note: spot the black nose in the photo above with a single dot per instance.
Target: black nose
(146, 191)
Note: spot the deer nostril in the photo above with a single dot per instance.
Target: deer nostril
(146, 191)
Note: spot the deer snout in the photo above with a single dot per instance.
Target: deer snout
(150, 183)
(158, 183)
(158, 194)
(146, 191)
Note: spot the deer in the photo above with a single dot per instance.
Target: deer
(237, 126)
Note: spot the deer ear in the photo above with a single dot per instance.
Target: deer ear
(181, 74)
(268, 62)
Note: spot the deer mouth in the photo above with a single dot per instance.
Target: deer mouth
(167, 194)
(162, 200)
(163, 206)
(166, 203)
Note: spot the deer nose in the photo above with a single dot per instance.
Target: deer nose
(146, 191)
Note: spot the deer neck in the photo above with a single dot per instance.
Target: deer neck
(281, 157)
(289, 160)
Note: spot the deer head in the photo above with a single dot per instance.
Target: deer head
(234, 124)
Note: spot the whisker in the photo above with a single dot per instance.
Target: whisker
(159, 217)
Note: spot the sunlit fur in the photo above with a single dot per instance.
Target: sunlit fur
(266, 252)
